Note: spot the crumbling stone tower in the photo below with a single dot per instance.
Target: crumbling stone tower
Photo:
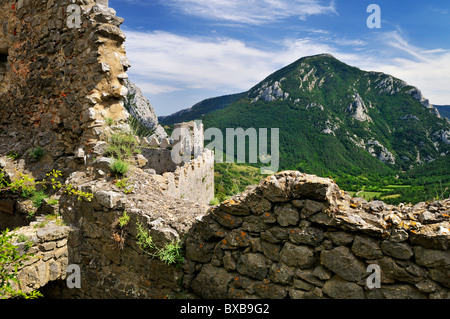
(62, 71)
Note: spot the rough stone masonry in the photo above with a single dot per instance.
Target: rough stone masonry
(300, 236)
(291, 236)
(58, 85)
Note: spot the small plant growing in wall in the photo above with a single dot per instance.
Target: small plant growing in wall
(28, 186)
(122, 146)
(37, 153)
(119, 167)
(109, 121)
(124, 185)
(171, 253)
(119, 230)
(10, 261)
(12, 155)
(215, 201)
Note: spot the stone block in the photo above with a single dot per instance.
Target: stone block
(253, 265)
(366, 247)
(7, 207)
(310, 236)
(297, 256)
(397, 250)
(338, 288)
(107, 199)
(342, 262)
(212, 282)
(287, 215)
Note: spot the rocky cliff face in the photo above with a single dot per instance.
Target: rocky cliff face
(139, 106)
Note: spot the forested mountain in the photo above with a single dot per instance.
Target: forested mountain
(337, 120)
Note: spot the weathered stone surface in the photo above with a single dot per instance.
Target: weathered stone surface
(275, 235)
(311, 207)
(309, 236)
(337, 288)
(212, 283)
(52, 233)
(392, 270)
(235, 206)
(226, 219)
(322, 273)
(256, 202)
(432, 257)
(138, 106)
(287, 215)
(270, 250)
(297, 256)
(253, 265)
(341, 261)
(274, 190)
(281, 274)
(107, 199)
(366, 247)
(400, 291)
(236, 239)
(267, 290)
(397, 250)
(340, 238)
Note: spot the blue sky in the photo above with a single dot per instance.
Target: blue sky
(184, 51)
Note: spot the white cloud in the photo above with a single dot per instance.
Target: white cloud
(164, 62)
(252, 11)
(180, 62)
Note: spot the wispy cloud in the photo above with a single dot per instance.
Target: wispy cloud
(253, 12)
(194, 62)
(164, 62)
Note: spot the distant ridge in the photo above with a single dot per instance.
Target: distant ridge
(444, 110)
(200, 109)
(334, 118)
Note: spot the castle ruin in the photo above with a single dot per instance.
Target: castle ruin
(292, 236)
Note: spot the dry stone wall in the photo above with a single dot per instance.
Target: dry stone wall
(300, 236)
(46, 245)
(292, 236)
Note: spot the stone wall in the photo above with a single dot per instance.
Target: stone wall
(48, 247)
(300, 236)
(191, 177)
(292, 236)
(59, 84)
(192, 181)
(112, 263)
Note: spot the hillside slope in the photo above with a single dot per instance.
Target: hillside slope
(337, 120)
(334, 117)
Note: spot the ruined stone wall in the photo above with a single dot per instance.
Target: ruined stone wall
(293, 236)
(192, 181)
(112, 263)
(191, 177)
(160, 160)
(46, 242)
(58, 84)
(300, 236)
